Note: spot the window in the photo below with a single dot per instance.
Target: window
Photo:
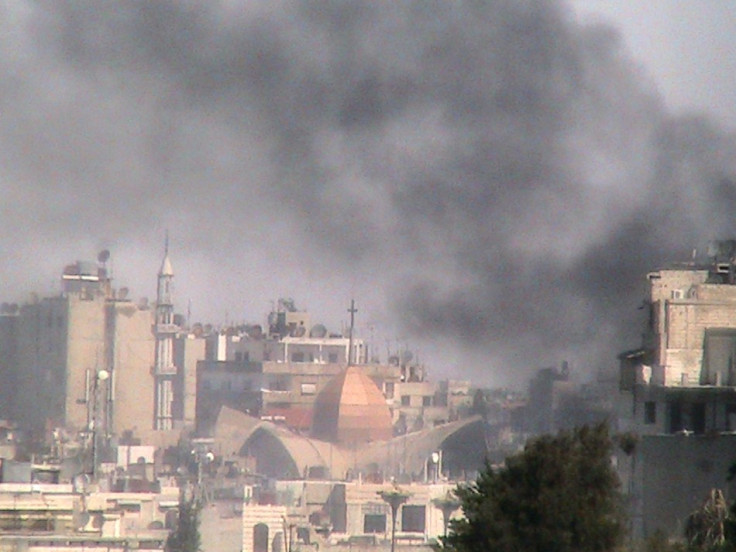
(412, 518)
(405, 400)
(332, 358)
(718, 357)
(374, 523)
(389, 390)
(297, 357)
(238, 356)
(426, 401)
(675, 412)
(697, 417)
(650, 412)
(730, 417)
(279, 384)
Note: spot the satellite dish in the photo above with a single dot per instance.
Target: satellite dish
(80, 483)
(103, 256)
(318, 331)
(254, 331)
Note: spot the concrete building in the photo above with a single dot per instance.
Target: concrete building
(8, 358)
(276, 377)
(91, 354)
(330, 515)
(683, 378)
(279, 379)
(678, 393)
(39, 517)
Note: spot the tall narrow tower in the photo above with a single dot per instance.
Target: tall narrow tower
(165, 331)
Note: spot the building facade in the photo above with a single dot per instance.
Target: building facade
(91, 357)
(678, 393)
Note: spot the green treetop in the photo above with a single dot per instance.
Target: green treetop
(561, 494)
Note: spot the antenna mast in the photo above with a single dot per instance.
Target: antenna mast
(352, 310)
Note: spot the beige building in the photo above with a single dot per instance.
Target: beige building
(329, 515)
(88, 355)
(683, 377)
(279, 391)
(37, 517)
(679, 393)
(693, 328)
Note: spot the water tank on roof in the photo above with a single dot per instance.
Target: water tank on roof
(254, 331)
(318, 331)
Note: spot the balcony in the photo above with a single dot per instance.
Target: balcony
(165, 370)
(166, 329)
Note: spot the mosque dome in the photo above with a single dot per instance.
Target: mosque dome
(351, 409)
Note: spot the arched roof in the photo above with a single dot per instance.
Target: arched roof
(232, 428)
(412, 450)
(282, 453)
(279, 452)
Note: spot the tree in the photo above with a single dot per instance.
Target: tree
(706, 527)
(394, 498)
(185, 536)
(561, 494)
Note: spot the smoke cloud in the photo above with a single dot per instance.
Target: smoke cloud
(491, 180)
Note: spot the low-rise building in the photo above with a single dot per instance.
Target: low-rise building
(36, 517)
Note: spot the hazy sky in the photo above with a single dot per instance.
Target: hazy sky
(687, 48)
(489, 180)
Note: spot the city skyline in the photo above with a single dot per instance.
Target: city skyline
(488, 183)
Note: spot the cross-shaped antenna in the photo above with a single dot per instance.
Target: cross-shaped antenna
(352, 310)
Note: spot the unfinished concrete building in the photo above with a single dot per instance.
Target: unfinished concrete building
(683, 378)
(679, 391)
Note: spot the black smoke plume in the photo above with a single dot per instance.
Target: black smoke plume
(494, 176)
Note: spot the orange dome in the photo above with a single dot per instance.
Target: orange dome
(351, 409)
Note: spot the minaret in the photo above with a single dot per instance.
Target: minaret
(165, 331)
